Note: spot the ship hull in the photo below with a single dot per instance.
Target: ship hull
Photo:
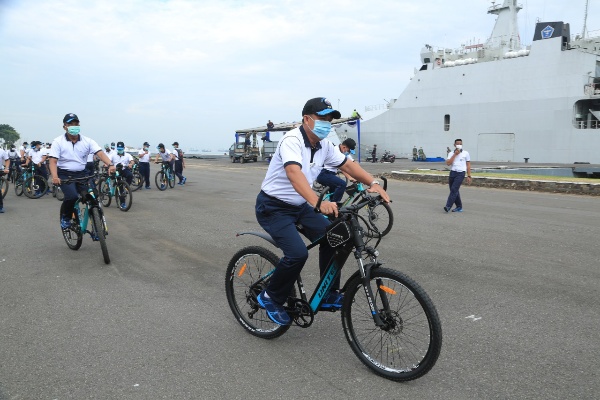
(503, 110)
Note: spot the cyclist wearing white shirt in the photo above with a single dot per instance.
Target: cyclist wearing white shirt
(124, 159)
(287, 199)
(165, 155)
(68, 158)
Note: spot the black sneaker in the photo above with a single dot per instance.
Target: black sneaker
(446, 208)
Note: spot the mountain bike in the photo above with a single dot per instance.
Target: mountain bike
(376, 212)
(115, 186)
(164, 177)
(138, 179)
(87, 211)
(33, 185)
(389, 321)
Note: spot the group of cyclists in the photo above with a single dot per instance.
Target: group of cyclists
(74, 155)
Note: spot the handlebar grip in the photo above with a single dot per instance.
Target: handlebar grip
(318, 205)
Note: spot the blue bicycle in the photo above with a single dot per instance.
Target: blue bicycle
(165, 177)
(115, 186)
(389, 321)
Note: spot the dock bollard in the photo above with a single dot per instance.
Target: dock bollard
(526, 160)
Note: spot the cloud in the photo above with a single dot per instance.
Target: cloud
(219, 66)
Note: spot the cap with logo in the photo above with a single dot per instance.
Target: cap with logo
(146, 144)
(320, 106)
(175, 144)
(70, 118)
(160, 146)
(120, 146)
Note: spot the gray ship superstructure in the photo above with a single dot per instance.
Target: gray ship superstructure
(507, 102)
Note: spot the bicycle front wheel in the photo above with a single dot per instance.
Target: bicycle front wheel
(100, 230)
(35, 186)
(19, 186)
(380, 218)
(171, 180)
(161, 181)
(72, 235)
(3, 186)
(105, 197)
(246, 267)
(136, 182)
(124, 196)
(409, 344)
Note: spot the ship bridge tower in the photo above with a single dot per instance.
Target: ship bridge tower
(505, 35)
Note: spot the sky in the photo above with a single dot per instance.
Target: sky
(194, 71)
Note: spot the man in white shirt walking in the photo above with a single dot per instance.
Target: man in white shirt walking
(460, 160)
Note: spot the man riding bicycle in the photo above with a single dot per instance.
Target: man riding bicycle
(287, 199)
(328, 175)
(165, 155)
(68, 158)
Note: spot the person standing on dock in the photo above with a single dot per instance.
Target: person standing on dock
(460, 160)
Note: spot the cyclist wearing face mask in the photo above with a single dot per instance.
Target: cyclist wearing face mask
(68, 158)
(328, 175)
(286, 199)
(144, 156)
(120, 157)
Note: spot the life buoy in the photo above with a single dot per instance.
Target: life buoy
(438, 62)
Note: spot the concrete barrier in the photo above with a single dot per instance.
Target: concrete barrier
(592, 189)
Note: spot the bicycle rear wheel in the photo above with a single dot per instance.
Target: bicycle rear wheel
(3, 186)
(72, 235)
(410, 343)
(123, 196)
(99, 229)
(35, 186)
(246, 267)
(136, 182)
(161, 181)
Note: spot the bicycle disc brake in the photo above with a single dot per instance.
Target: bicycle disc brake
(301, 312)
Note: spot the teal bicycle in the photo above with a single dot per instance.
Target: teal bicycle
(376, 212)
(33, 185)
(389, 321)
(165, 177)
(87, 212)
(115, 186)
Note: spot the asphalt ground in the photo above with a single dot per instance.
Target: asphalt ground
(515, 280)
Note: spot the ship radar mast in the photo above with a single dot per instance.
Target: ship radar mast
(583, 34)
(506, 30)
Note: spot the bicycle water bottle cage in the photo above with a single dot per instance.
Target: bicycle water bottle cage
(338, 233)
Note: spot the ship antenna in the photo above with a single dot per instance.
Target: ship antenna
(587, 3)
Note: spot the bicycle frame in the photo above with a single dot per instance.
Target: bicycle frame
(86, 197)
(338, 261)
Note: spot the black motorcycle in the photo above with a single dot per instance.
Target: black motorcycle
(388, 157)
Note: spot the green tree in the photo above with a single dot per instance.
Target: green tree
(8, 134)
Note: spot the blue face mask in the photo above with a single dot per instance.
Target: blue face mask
(74, 130)
(321, 129)
(346, 153)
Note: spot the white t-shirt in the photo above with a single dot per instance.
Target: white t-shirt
(335, 169)
(14, 155)
(24, 150)
(175, 153)
(166, 156)
(460, 162)
(144, 155)
(73, 157)
(117, 159)
(3, 157)
(36, 156)
(295, 148)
